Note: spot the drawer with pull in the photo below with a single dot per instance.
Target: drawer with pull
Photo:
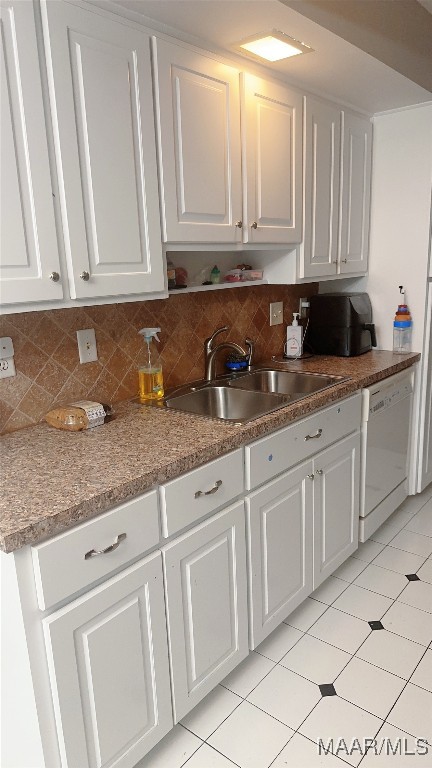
(275, 453)
(187, 499)
(77, 558)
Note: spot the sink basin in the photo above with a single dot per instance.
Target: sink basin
(291, 383)
(227, 403)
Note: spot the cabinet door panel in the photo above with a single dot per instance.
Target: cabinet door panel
(198, 112)
(336, 506)
(280, 550)
(100, 83)
(107, 657)
(205, 576)
(321, 189)
(28, 241)
(272, 145)
(355, 193)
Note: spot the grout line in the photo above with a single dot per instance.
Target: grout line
(195, 750)
(337, 757)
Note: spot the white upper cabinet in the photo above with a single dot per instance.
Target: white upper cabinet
(356, 163)
(102, 109)
(272, 154)
(321, 189)
(200, 162)
(29, 261)
(337, 177)
(198, 116)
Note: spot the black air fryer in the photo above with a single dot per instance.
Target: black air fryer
(341, 324)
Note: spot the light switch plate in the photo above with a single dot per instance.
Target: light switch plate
(276, 313)
(87, 345)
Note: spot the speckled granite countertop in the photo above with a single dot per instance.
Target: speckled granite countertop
(52, 480)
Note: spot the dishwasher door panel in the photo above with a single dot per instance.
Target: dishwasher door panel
(387, 434)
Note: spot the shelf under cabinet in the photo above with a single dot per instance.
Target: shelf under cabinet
(218, 286)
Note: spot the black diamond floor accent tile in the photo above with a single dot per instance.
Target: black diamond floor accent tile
(375, 625)
(412, 577)
(327, 689)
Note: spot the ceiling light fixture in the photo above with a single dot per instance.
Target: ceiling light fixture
(272, 46)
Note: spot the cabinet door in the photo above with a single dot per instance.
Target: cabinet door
(198, 113)
(318, 256)
(280, 517)
(272, 149)
(28, 241)
(356, 163)
(336, 506)
(101, 92)
(108, 665)
(205, 578)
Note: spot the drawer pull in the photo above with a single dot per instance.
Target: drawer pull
(216, 486)
(311, 476)
(93, 552)
(320, 471)
(313, 437)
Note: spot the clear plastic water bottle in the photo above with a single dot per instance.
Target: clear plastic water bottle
(402, 330)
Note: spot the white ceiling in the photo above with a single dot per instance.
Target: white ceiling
(336, 69)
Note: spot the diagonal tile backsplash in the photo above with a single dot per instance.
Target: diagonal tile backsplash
(46, 354)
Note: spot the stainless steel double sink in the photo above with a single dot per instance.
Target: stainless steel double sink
(248, 395)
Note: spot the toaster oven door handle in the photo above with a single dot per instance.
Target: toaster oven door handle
(371, 328)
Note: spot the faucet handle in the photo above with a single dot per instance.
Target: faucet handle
(208, 342)
(250, 347)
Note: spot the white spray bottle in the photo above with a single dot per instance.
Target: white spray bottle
(150, 377)
(293, 345)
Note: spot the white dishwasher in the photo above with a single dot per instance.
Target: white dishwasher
(385, 435)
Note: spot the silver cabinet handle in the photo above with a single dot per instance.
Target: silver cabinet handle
(320, 471)
(85, 276)
(318, 433)
(93, 552)
(239, 224)
(254, 225)
(55, 277)
(216, 487)
(311, 476)
(344, 261)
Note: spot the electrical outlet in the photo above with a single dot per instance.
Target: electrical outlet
(304, 305)
(7, 365)
(276, 313)
(87, 346)
(7, 368)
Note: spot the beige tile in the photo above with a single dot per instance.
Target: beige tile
(250, 737)
(286, 696)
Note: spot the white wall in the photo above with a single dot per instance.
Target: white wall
(400, 218)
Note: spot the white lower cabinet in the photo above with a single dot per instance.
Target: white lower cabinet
(280, 533)
(109, 673)
(336, 506)
(301, 527)
(117, 666)
(206, 601)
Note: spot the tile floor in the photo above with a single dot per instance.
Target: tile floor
(354, 661)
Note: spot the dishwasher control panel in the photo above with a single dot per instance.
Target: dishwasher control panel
(380, 400)
(386, 393)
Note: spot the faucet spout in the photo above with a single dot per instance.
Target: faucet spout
(210, 358)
